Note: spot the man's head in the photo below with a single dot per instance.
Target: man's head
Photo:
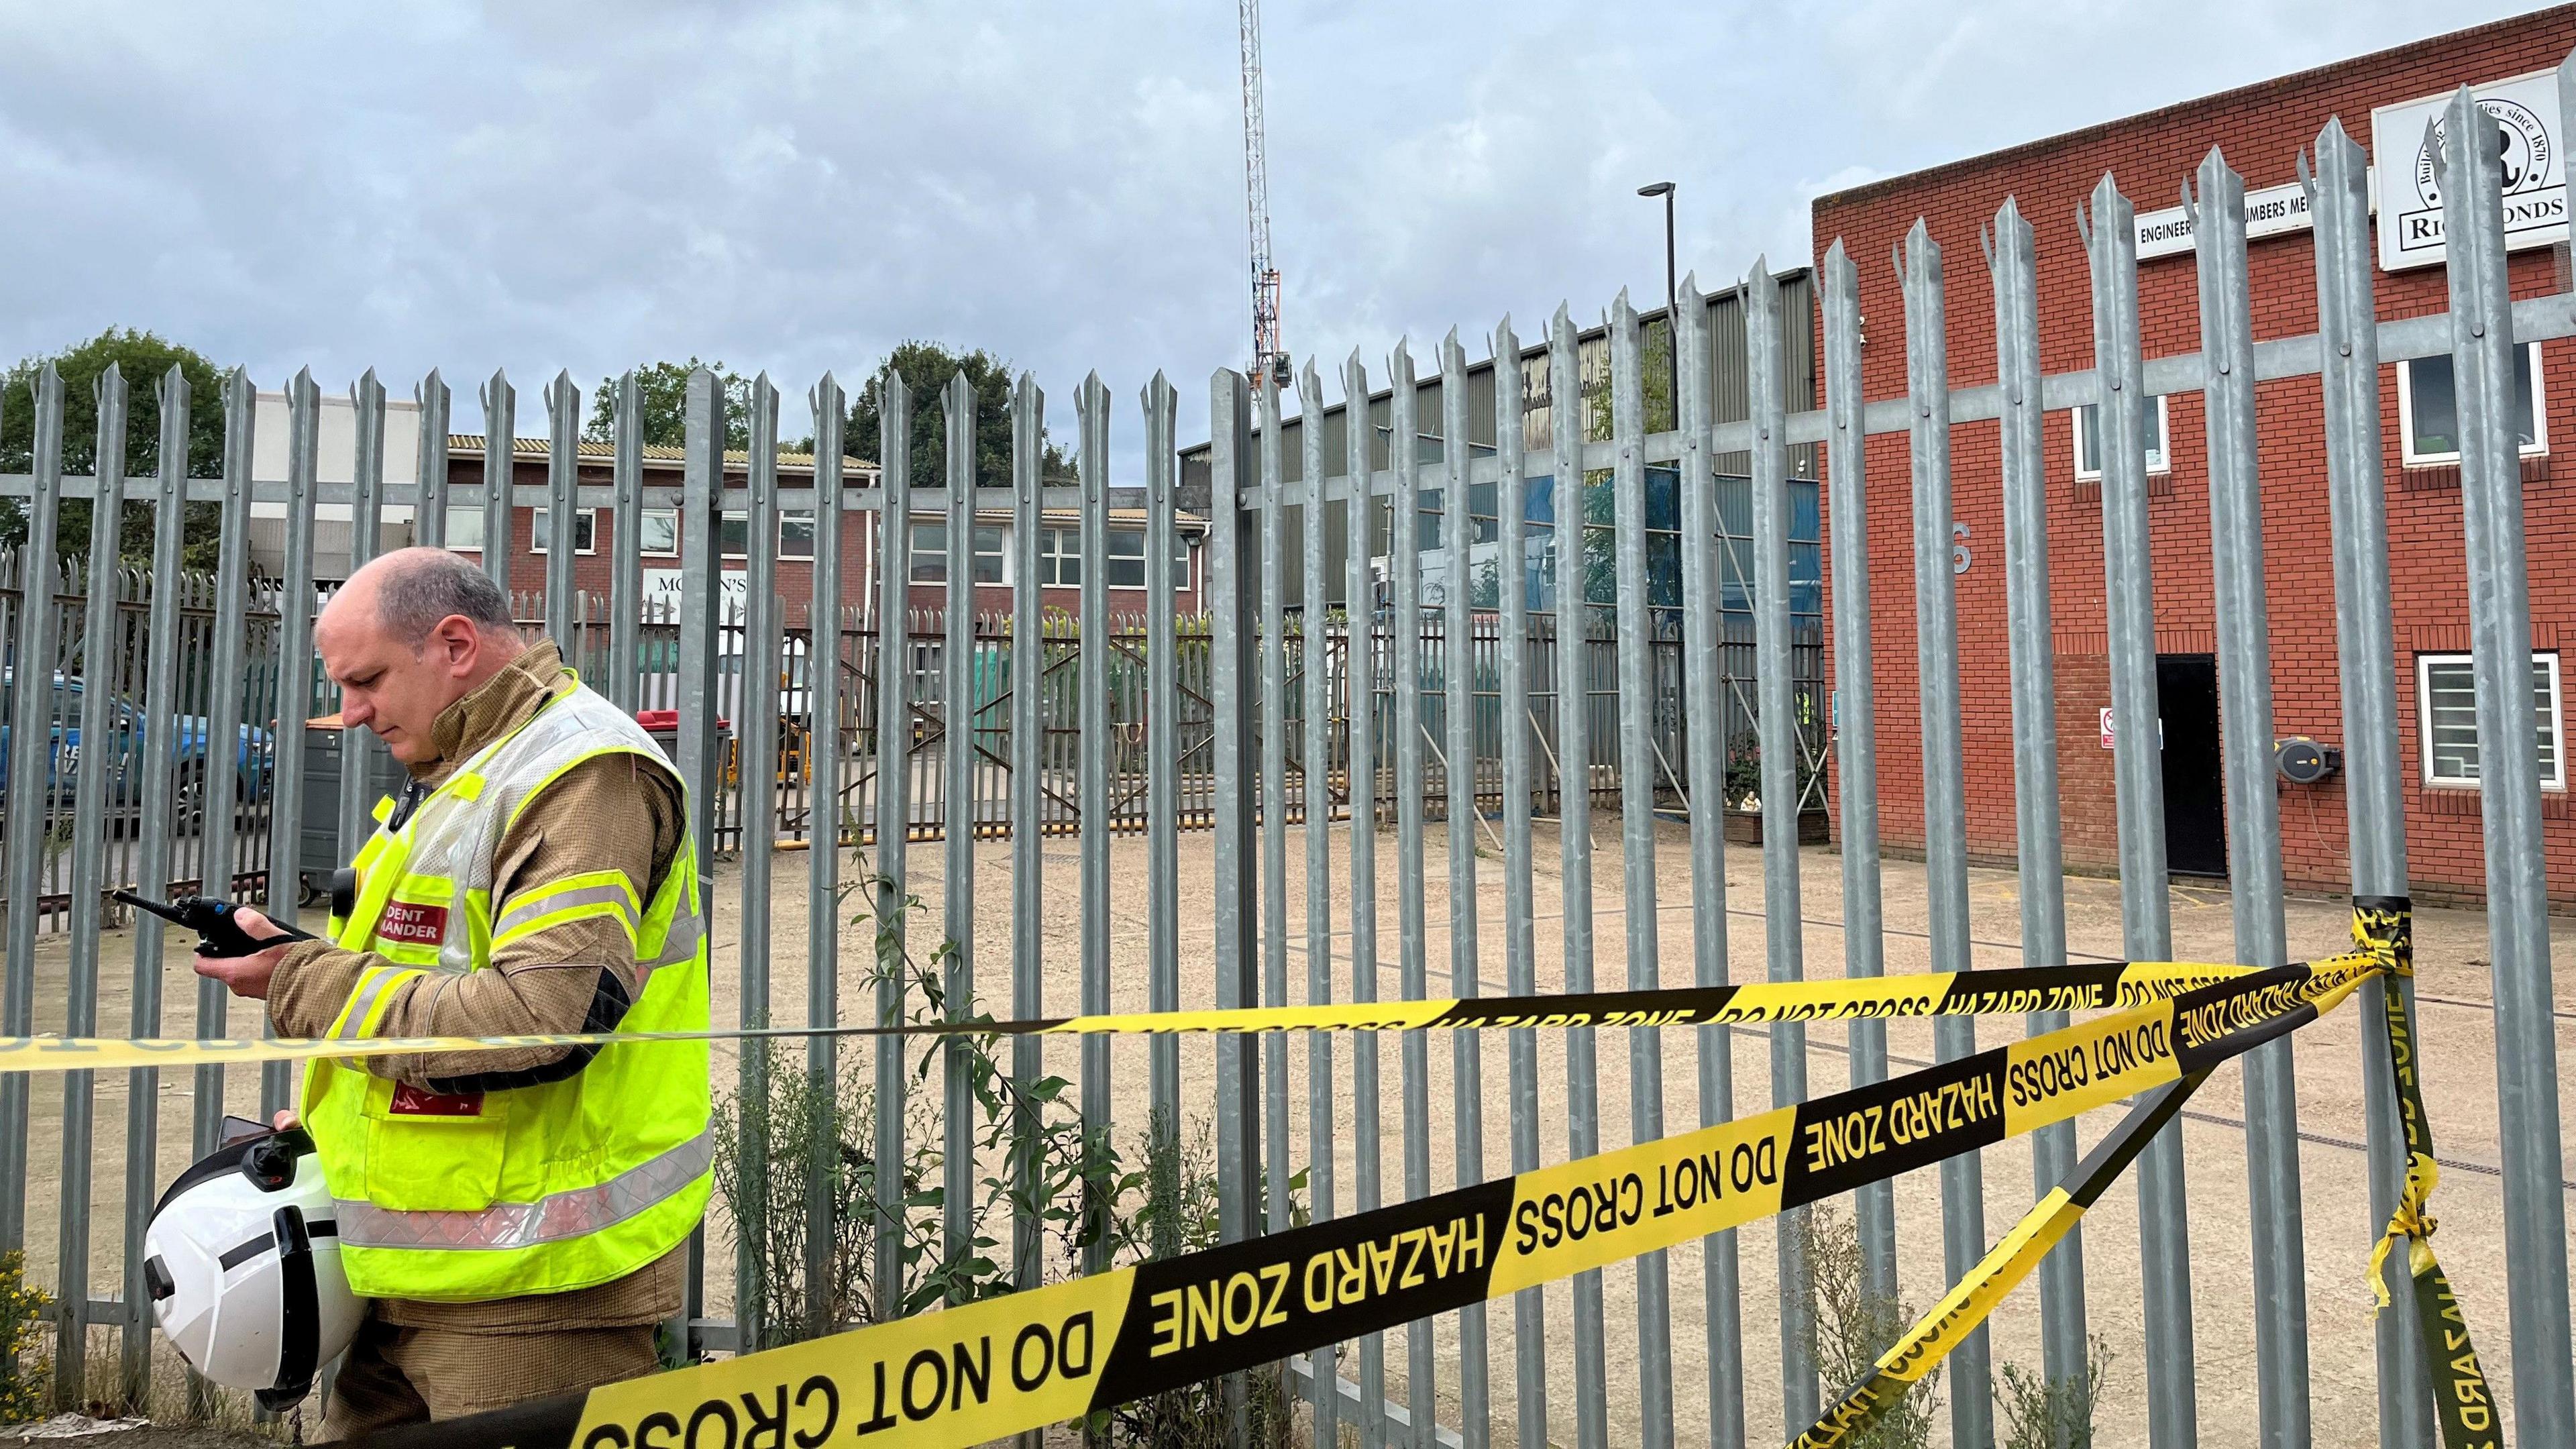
(408, 635)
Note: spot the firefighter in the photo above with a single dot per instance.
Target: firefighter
(518, 1217)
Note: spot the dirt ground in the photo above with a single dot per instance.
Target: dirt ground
(156, 1437)
(2456, 1029)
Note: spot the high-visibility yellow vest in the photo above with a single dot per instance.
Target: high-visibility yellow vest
(538, 1188)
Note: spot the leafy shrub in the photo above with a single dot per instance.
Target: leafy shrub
(1854, 1325)
(1074, 1183)
(22, 1312)
(1179, 1214)
(2045, 1413)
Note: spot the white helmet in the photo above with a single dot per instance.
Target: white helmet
(242, 1259)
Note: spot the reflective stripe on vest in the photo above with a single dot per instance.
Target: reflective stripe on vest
(367, 1005)
(595, 895)
(531, 1189)
(572, 1213)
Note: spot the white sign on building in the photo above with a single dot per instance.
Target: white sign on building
(662, 587)
(2410, 169)
(2272, 211)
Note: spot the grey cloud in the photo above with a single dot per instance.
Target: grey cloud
(800, 186)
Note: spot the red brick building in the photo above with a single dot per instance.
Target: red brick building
(2261, 129)
(994, 558)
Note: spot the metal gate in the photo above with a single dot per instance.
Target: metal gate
(1042, 693)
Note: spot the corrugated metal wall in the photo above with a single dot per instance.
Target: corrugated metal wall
(1728, 397)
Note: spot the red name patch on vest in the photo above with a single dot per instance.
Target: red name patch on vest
(414, 924)
(411, 1101)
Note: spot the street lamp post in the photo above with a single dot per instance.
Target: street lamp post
(1672, 297)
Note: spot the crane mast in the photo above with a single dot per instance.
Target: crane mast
(1269, 360)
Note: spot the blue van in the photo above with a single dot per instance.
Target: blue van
(252, 754)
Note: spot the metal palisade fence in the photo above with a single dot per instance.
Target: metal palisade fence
(637, 655)
(1655, 622)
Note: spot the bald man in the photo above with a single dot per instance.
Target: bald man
(518, 1217)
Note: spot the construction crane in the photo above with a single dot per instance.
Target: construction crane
(1269, 359)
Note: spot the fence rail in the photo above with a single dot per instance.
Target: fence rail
(1093, 725)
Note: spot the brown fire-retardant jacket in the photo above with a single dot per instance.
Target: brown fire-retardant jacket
(612, 813)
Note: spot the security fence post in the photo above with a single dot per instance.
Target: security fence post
(102, 684)
(2253, 805)
(2146, 922)
(1324, 1388)
(1945, 806)
(2535, 1204)
(2366, 655)
(2011, 258)
(1704, 706)
(1229, 593)
(1566, 415)
(159, 763)
(1636, 636)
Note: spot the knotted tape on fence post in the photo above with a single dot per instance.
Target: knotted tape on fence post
(2383, 926)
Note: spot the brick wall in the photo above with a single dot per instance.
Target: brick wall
(592, 572)
(2261, 130)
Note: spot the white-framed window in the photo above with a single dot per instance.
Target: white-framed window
(465, 527)
(1126, 548)
(2088, 441)
(929, 551)
(2447, 715)
(733, 533)
(1060, 557)
(796, 534)
(992, 553)
(661, 532)
(2428, 408)
(585, 531)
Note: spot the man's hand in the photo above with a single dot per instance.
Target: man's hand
(247, 975)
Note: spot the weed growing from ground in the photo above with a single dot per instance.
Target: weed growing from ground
(1066, 1185)
(1854, 1325)
(22, 1313)
(2045, 1413)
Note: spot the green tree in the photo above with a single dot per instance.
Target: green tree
(143, 358)
(926, 368)
(665, 390)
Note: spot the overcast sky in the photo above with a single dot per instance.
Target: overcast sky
(800, 186)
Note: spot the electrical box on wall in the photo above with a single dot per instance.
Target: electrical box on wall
(2302, 761)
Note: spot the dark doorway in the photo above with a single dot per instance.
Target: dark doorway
(2195, 799)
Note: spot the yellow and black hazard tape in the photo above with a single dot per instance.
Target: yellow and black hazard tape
(986, 1370)
(2462, 1402)
(2012, 991)
(2382, 929)
(1976, 1295)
